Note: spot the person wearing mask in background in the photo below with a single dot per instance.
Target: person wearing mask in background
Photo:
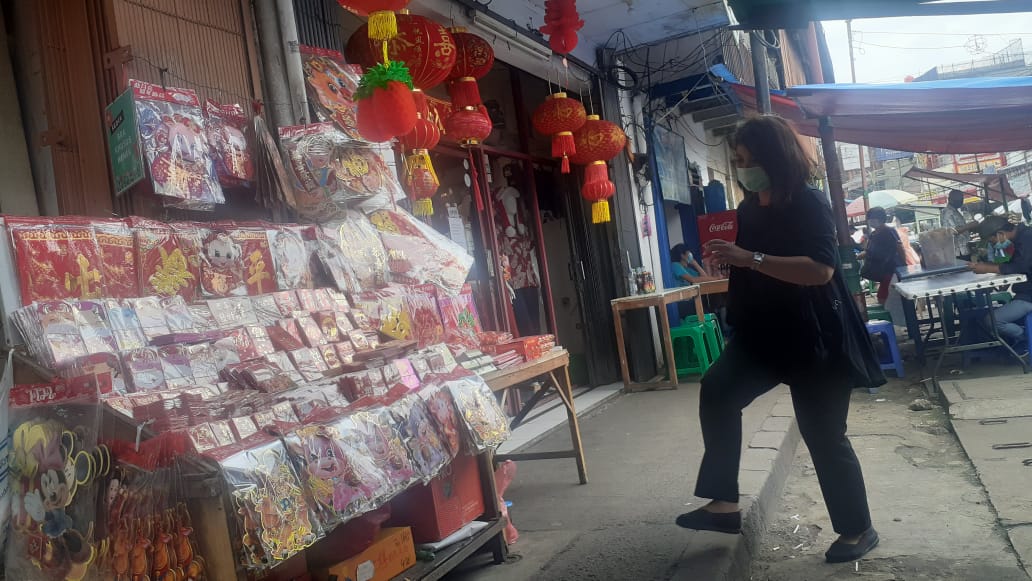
(1004, 236)
(884, 252)
(795, 323)
(954, 218)
(687, 271)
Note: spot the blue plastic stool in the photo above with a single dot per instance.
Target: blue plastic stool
(888, 332)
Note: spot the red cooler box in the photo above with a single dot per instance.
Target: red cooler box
(450, 502)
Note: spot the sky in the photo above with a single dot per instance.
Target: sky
(888, 49)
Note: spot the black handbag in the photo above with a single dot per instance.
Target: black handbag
(842, 339)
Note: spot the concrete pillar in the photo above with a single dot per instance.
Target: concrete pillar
(17, 190)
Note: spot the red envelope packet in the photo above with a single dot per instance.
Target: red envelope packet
(118, 257)
(56, 261)
(161, 266)
(259, 271)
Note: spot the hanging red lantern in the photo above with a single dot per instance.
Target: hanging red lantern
(598, 189)
(386, 107)
(474, 58)
(468, 125)
(596, 140)
(559, 116)
(426, 48)
(420, 178)
(383, 24)
(561, 25)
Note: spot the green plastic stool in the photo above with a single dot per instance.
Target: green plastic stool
(714, 335)
(878, 314)
(690, 353)
(1002, 298)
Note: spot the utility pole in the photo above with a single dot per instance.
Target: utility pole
(759, 63)
(860, 148)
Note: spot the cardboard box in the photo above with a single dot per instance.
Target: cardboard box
(392, 554)
(449, 502)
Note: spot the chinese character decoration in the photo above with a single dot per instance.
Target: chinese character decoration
(474, 58)
(561, 25)
(559, 116)
(597, 142)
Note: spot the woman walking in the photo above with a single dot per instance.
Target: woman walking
(795, 323)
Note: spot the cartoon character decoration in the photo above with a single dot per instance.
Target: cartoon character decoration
(429, 453)
(223, 272)
(383, 439)
(49, 467)
(234, 163)
(331, 87)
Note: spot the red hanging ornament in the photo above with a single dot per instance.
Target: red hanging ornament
(596, 140)
(561, 25)
(426, 48)
(386, 107)
(421, 179)
(559, 116)
(468, 125)
(383, 24)
(474, 58)
(598, 189)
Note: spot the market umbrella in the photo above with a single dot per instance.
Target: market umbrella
(880, 198)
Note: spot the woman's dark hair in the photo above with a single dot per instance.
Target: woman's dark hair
(993, 224)
(677, 251)
(776, 148)
(878, 213)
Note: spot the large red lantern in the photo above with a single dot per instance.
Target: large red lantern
(474, 58)
(561, 25)
(420, 178)
(559, 116)
(426, 48)
(383, 24)
(597, 139)
(470, 126)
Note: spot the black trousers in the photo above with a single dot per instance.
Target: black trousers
(821, 409)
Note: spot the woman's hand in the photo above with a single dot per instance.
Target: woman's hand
(984, 268)
(729, 253)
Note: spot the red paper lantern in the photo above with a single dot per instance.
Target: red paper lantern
(468, 125)
(420, 178)
(473, 60)
(597, 140)
(386, 107)
(383, 24)
(561, 25)
(426, 48)
(598, 189)
(559, 116)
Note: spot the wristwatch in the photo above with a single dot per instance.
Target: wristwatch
(757, 260)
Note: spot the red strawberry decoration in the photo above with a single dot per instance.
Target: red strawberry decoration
(386, 107)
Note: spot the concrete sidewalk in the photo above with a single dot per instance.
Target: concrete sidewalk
(643, 451)
(988, 410)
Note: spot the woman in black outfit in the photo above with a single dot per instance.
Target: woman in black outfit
(795, 323)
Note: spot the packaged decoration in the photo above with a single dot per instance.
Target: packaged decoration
(60, 340)
(162, 267)
(428, 451)
(290, 258)
(55, 464)
(269, 499)
(175, 144)
(383, 439)
(224, 266)
(118, 257)
(189, 238)
(419, 254)
(331, 87)
(483, 419)
(365, 259)
(56, 260)
(234, 162)
(91, 318)
(125, 325)
(421, 304)
(442, 409)
(143, 369)
(460, 319)
(258, 269)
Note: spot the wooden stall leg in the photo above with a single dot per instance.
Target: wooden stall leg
(668, 344)
(566, 393)
(621, 348)
(492, 509)
(700, 310)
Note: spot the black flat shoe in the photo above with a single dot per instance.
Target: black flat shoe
(842, 553)
(704, 520)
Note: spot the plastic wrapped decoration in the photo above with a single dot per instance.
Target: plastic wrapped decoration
(234, 161)
(460, 319)
(268, 495)
(118, 257)
(362, 261)
(442, 409)
(331, 87)
(339, 470)
(290, 258)
(223, 266)
(421, 304)
(162, 266)
(419, 254)
(54, 464)
(383, 439)
(482, 417)
(175, 143)
(427, 449)
(56, 260)
(259, 271)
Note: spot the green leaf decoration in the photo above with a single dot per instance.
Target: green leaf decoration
(379, 75)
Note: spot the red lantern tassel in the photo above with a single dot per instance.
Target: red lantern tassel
(464, 92)
(565, 167)
(563, 144)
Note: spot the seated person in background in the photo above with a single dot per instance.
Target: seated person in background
(1001, 234)
(687, 271)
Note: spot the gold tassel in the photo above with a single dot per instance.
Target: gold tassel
(383, 25)
(600, 212)
(420, 158)
(423, 208)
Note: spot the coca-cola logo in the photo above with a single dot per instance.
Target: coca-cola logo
(727, 226)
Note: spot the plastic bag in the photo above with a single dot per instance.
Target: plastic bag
(419, 254)
(383, 438)
(442, 409)
(331, 86)
(290, 257)
(175, 143)
(428, 451)
(359, 253)
(485, 423)
(421, 304)
(230, 148)
(118, 257)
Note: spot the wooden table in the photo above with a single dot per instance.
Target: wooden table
(716, 287)
(659, 301)
(551, 367)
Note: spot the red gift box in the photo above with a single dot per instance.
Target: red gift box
(451, 501)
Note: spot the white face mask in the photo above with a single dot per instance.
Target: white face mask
(754, 178)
